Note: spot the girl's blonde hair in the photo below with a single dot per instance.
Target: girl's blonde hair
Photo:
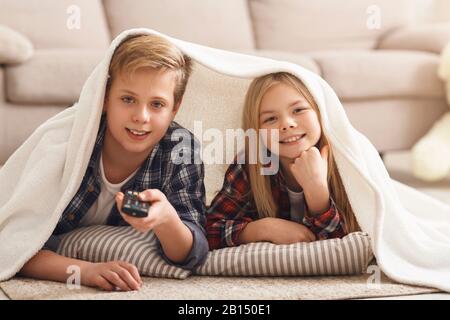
(260, 184)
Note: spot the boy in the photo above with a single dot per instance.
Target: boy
(147, 79)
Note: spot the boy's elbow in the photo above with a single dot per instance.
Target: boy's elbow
(30, 268)
(196, 255)
(199, 254)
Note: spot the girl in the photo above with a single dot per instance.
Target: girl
(305, 200)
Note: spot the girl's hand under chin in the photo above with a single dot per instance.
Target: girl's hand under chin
(310, 168)
(310, 171)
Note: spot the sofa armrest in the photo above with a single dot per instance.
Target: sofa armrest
(432, 38)
(15, 47)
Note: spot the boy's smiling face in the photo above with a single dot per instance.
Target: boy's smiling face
(139, 109)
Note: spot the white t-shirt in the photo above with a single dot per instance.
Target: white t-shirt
(100, 210)
(298, 208)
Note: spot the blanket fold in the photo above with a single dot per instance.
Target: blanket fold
(410, 230)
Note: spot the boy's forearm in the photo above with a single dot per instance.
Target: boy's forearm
(176, 240)
(47, 265)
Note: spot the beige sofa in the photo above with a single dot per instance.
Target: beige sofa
(384, 70)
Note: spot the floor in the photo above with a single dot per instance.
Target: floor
(430, 296)
(399, 164)
(3, 295)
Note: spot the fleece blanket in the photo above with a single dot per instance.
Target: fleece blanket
(410, 231)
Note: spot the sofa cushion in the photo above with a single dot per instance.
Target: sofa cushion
(301, 25)
(51, 76)
(220, 24)
(14, 47)
(394, 124)
(300, 59)
(367, 74)
(432, 38)
(17, 123)
(54, 24)
(349, 255)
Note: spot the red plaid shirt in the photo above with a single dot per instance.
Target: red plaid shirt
(233, 208)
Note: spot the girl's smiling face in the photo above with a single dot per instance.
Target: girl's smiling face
(286, 111)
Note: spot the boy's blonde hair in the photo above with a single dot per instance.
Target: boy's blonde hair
(260, 184)
(151, 51)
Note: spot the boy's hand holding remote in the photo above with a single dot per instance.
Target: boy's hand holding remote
(160, 214)
(175, 237)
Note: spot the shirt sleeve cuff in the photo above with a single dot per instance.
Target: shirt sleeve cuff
(52, 244)
(331, 205)
(235, 231)
(322, 220)
(199, 250)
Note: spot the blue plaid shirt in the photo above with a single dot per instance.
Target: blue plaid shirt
(181, 183)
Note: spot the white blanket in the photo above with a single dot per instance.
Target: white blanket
(410, 231)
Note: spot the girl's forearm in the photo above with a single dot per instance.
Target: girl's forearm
(318, 200)
(253, 232)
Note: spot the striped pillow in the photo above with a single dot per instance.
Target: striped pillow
(346, 256)
(109, 243)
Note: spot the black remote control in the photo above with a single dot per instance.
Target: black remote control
(134, 207)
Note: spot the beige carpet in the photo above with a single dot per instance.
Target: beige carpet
(3, 296)
(199, 287)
